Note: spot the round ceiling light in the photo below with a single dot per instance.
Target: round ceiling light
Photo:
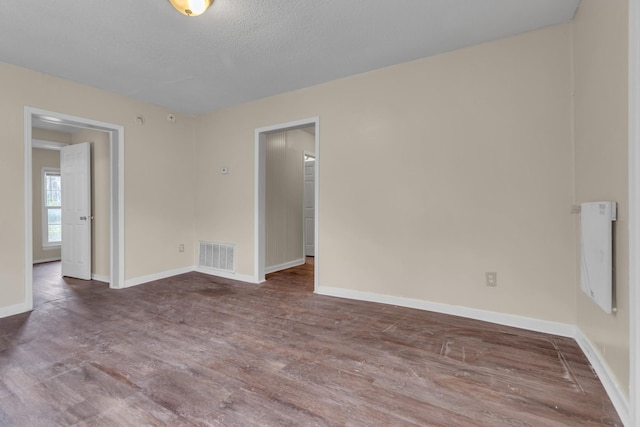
(191, 7)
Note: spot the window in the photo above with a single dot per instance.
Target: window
(51, 208)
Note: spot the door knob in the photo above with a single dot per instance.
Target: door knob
(83, 218)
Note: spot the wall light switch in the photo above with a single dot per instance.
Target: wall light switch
(492, 278)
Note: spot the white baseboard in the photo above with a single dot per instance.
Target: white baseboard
(617, 396)
(12, 310)
(284, 266)
(157, 276)
(226, 274)
(170, 273)
(43, 260)
(555, 328)
(100, 278)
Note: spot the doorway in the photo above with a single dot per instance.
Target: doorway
(53, 145)
(116, 190)
(634, 211)
(260, 193)
(308, 208)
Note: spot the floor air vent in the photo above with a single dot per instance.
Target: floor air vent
(220, 256)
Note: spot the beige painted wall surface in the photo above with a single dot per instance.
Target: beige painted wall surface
(40, 159)
(51, 135)
(100, 200)
(284, 195)
(159, 199)
(431, 174)
(601, 141)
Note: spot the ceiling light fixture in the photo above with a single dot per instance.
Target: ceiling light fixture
(191, 7)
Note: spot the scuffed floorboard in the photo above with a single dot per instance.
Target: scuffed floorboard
(194, 350)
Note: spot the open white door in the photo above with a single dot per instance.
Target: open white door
(75, 170)
(309, 204)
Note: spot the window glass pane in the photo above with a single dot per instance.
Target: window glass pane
(55, 233)
(54, 198)
(53, 195)
(51, 210)
(54, 216)
(55, 182)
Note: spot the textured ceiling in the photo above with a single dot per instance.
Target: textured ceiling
(242, 50)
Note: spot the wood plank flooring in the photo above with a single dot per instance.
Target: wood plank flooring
(194, 350)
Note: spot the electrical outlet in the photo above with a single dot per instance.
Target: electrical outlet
(181, 248)
(492, 278)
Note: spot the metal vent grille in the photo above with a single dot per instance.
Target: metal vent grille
(220, 256)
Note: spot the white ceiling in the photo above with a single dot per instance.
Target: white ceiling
(242, 50)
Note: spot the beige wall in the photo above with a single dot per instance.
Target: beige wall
(284, 195)
(51, 135)
(41, 158)
(431, 174)
(600, 52)
(100, 200)
(159, 197)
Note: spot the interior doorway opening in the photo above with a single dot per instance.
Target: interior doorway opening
(260, 223)
(116, 189)
(308, 204)
(53, 196)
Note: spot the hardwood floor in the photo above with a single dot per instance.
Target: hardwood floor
(194, 350)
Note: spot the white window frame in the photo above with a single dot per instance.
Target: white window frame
(46, 244)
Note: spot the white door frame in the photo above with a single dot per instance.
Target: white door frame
(260, 193)
(116, 169)
(634, 212)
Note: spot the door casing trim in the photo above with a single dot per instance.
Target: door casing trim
(116, 176)
(260, 194)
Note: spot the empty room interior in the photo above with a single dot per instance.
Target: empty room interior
(320, 213)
